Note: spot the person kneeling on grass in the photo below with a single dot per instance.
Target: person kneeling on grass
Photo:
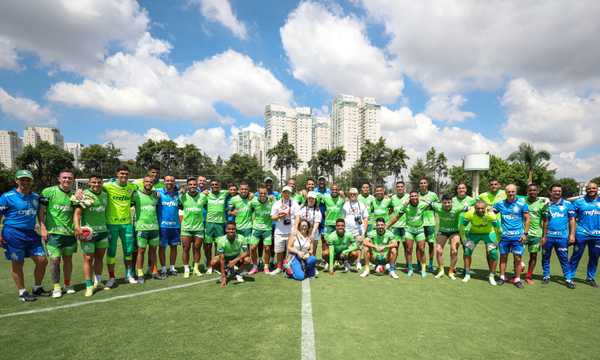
(341, 246)
(300, 264)
(232, 253)
(381, 249)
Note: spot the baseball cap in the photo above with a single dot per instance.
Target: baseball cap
(268, 178)
(286, 188)
(321, 177)
(23, 174)
(311, 194)
(353, 191)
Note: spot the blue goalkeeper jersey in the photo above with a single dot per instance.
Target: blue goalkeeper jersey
(558, 215)
(168, 209)
(19, 210)
(587, 211)
(511, 218)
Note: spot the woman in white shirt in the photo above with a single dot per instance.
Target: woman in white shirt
(311, 213)
(300, 263)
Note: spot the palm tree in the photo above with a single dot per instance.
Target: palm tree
(336, 158)
(397, 162)
(285, 156)
(530, 158)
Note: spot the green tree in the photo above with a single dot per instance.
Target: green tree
(7, 176)
(195, 162)
(148, 154)
(437, 166)
(100, 159)
(169, 156)
(418, 171)
(596, 180)
(243, 168)
(326, 161)
(531, 159)
(45, 162)
(375, 157)
(285, 157)
(397, 162)
(570, 187)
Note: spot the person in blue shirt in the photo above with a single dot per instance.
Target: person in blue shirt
(514, 220)
(587, 212)
(19, 208)
(169, 224)
(558, 231)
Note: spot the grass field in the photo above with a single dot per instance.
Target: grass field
(354, 318)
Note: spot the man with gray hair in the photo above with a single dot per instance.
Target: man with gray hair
(356, 216)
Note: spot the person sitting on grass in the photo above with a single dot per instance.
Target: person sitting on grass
(300, 264)
(381, 249)
(340, 246)
(232, 253)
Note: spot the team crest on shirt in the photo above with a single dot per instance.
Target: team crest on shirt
(516, 209)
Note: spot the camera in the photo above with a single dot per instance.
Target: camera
(357, 219)
(287, 221)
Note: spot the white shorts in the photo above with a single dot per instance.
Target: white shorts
(280, 243)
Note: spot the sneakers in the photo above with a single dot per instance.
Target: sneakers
(358, 266)
(209, 271)
(546, 281)
(70, 290)
(186, 274)
(452, 276)
(110, 284)
(98, 286)
(89, 291)
(591, 282)
(157, 276)
(253, 271)
(492, 280)
(140, 280)
(501, 281)
(197, 273)
(430, 268)
(519, 284)
(40, 292)
(440, 274)
(326, 267)
(346, 267)
(410, 272)
(275, 272)
(131, 280)
(394, 275)
(266, 270)
(26, 297)
(466, 278)
(423, 273)
(570, 285)
(239, 278)
(529, 281)
(172, 272)
(365, 273)
(57, 293)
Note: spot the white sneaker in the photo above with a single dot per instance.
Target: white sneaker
(326, 267)
(70, 290)
(275, 272)
(358, 266)
(140, 280)
(387, 267)
(57, 293)
(410, 273)
(209, 271)
(346, 267)
(109, 284)
(440, 274)
(239, 278)
(98, 286)
(186, 274)
(394, 275)
(132, 280)
(491, 280)
(365, 273)
(466, 278)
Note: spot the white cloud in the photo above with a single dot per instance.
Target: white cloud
(8, 55)
(555, 120)
(220, 11)
(212, 141)
(447, 108)
(450, 46)
(74, 35)
(251, 127)
(25, 109)
(582, 169)
(334, 52)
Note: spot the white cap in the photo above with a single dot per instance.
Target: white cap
(311, 194)
(353, 191)
(286, 188)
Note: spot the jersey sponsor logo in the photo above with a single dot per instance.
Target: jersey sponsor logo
(171, 203)
(121, 197)
(26, 212)
(561, 249)
(192, 209)
(555, 233)
(511, 232)
(593, 212)
(510, 217)
(62, 207)
(555, 214)
(168, 223)
(97, 209)
(148, 208)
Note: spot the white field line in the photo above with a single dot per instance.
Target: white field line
(307, 344)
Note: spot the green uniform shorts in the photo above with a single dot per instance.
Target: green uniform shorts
(213, 231)
(148, 237)
(61, 245)
(98, 241)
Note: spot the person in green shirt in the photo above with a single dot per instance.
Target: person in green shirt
(414, 212)
(192, 225)
(334, 203)
(145, 201)
(381, 207)
(339, 245)
(537, 207)
(241, 210)
(215, 218)
(56, 224)
(119, 223)
(398, 222)
(154, 174)
(232, 252)
(428, 218)
(90, 214)
(494, 194)
(381, 249)
(365, 198)
(261, 227)
(484, 226)
(449, 216)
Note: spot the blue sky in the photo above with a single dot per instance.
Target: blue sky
(454, 75)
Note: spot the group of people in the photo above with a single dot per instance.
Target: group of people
(279, 232)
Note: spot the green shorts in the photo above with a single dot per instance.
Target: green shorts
(260, 235)
(148, 237)
(61, 245)
(98, 241)
(116, 232)
(473, 239)
(378, 258)
(399, 233)
(245, 232)
(328, 229)
(192, 233)
(448, 234)
(418, 235)
(430, 234)
(533, 244)
(213, 231)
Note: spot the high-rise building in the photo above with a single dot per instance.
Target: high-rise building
(297, 123)
(354, 120)
(10, 147)
(33, 135)
(75, 150)
(321, 138)
(250, 143)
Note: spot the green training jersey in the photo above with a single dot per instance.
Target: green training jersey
(298, 198)
(380, 209)
(429, 216)
(215, 207)
(490, 198)
(261, 212)
(536, 210)
(480, 224)
(193, 208)
(140, 184)
(146, 217)
(243, 218)
(231, 248)
(467, 201)
(94, 216)
(333, 208)
(340, 242)
(414, 216)
(449, 219)
(59, 210)
(381, 240)
(398, 202)
(120, 198)
(365, 200)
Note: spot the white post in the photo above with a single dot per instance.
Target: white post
(475, 184)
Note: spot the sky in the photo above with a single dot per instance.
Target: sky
(464, 76)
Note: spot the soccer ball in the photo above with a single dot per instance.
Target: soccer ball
(87, 233)
(379, 269)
